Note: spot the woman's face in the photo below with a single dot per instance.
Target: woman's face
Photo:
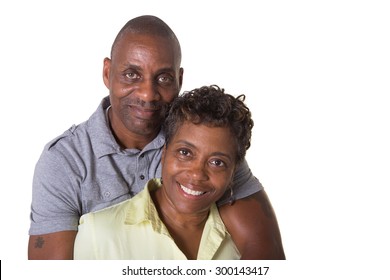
(197, 167)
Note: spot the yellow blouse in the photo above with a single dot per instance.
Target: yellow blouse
(133, 230)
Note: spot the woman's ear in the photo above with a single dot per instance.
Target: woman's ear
(231, 198)
(162, 161)
(163, 154)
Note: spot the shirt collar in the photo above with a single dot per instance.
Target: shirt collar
(150, 212)
(143, 200)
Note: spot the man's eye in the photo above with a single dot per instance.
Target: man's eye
(131, 75)
(165, 79)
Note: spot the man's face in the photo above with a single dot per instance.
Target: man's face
(196, 171)
(142, 76)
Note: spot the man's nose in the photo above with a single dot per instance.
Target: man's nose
(148, 91)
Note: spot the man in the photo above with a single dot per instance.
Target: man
(110, 157)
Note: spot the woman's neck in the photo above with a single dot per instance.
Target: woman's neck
(185, 229)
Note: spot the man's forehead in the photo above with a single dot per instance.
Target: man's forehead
(136, 41)
(138, 50)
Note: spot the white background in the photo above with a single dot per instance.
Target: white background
(316, 75)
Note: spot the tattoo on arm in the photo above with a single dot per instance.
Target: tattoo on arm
(39, 242)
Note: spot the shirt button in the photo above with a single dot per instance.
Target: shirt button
(142, 177)
(143, 155)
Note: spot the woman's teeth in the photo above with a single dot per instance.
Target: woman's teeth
(191, 192)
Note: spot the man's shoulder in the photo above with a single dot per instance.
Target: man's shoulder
(83, 134)
(68, 137)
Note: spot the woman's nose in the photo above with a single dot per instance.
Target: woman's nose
(198, 171)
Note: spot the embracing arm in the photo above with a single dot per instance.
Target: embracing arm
(55, 207)
(52, 246)
(252, 223)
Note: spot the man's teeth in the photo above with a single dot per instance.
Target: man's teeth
(191, 192)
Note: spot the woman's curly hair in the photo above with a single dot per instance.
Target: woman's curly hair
(211, 106)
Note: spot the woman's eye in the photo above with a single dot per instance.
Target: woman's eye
(184, 152)
(217, 162)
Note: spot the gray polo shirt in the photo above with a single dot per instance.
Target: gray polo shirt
(85, 170)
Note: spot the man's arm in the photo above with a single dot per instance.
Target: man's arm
(252, 223)
(52, 246)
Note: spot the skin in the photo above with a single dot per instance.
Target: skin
(141, 78)
(52, 246)
(196, 172)
(254, 228)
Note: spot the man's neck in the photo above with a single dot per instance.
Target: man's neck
(127, 139)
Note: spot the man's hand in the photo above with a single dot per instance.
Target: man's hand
(254, 228)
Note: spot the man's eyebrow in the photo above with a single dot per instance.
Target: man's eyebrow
(136, 67)
(166, 69)
(131, 66)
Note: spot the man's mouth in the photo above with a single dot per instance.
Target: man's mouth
(191, 192)
(141, 112)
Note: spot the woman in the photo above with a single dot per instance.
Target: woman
(175, 217)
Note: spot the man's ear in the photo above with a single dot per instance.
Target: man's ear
(106, 71)
(181, 74)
